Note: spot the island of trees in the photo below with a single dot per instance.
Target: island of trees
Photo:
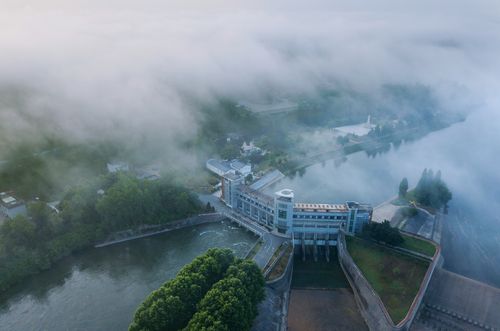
(87, 213)
(215, 292)
(431, 191)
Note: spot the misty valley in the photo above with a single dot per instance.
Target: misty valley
(236, 166)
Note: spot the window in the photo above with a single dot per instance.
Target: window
(282, 213)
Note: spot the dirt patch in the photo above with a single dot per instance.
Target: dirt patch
(324, 310)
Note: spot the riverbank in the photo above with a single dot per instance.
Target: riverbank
(163, 228)
(371, 145)
(100, 289)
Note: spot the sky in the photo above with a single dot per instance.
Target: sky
(87, 69)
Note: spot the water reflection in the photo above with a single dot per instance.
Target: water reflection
(99, 289)
(466, 153)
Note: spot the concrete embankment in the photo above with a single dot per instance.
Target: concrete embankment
(174, 225)
(371, 306)
(459, 303)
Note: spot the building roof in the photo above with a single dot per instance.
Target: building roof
(285, 193)
(8, 200)
(231, 176)
(267, 180)
(223, 166)
(116, 166)
(321, 207)
(258, 195)
(237, 165)
(359, 206)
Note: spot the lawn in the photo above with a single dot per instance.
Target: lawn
(281, 264)
(418, 245)
(318, 275)
(255, 249)
(395, 277)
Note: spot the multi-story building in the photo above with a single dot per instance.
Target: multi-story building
(305, 223)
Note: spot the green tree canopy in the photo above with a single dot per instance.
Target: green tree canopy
(403, 187)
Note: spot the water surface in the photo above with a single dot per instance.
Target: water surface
(467, 153)
(99, 289)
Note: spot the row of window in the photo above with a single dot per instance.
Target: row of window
(319, 217)
(252, 201)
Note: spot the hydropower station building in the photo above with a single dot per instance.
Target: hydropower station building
(306, 223)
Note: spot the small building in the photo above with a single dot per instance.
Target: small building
(359, 130)
(249, 149)
(151, 172)
(117, 166)
(10, 206)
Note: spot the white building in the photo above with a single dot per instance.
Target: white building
(10, 206)
(249, 149)
(222, 167)
(359, 130)
(117, 166)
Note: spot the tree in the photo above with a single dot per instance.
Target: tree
(248, 178)
(31, 244)
(431, 190)
(403, 187)
(172, 305)
(383, 232)
(232, 302)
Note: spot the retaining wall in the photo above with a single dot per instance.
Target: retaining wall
(369, 303)
(282, 284)
(174, 225)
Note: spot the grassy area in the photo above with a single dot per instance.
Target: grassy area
(281, 264)
(276, 253)
(255, 249)
(394, 276)
(325, 275)
(418, 245)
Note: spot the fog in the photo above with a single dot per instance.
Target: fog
(83, 70)
(138, 72)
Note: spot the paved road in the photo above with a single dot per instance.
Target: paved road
(271, 244)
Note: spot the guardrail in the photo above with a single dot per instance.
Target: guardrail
(250, 225)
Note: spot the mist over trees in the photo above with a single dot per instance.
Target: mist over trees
(29, 244)
(431, 190)
(403, 187)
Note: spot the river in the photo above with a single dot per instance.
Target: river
(466, 153)
(99, 289)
